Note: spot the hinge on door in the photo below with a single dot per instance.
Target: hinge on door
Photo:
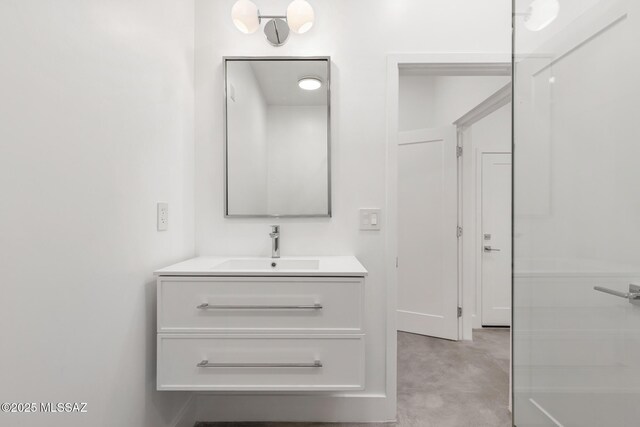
(459, 231)
(459, 311)
(458, 151)
(396, 262)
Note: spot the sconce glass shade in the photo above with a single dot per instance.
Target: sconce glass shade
(245, 16)
(300, 16)
(541, 13)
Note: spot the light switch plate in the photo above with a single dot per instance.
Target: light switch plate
(370, 219)
(163, 216)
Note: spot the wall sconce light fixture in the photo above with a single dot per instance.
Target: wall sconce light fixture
(299, 19)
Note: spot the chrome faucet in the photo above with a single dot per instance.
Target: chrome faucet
(275, 241)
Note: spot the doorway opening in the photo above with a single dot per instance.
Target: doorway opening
(449, 184)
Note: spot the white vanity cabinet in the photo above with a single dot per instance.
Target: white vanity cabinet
(261, 329)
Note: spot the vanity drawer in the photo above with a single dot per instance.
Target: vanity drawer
(233, 304)
(260, 362)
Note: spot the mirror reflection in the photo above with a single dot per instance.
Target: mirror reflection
(277, 124)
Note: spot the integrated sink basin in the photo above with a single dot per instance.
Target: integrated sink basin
(268, 264)
(296, 266)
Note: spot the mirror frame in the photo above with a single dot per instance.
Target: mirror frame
(226, 60)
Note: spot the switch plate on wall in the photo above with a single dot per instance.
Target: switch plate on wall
(163, 216)
(370, 219)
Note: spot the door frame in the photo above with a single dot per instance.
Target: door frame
(471, 194)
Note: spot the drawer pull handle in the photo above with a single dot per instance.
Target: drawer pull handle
(206, 306)
(206, 364)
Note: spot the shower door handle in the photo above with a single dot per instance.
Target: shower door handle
(633, 295)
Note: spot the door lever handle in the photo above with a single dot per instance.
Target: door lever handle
(633, 295)
(490, 249)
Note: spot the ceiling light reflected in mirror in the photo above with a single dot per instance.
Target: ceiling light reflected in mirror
(310, 83)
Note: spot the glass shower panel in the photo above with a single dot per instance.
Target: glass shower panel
(576, 213)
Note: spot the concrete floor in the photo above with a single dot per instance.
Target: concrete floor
(443, 384)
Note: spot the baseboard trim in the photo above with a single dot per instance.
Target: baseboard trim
(187, 415)
(304, 408)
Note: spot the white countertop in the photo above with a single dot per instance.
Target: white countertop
(322, 266)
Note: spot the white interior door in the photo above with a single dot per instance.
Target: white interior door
(496, 239)
(427, 238)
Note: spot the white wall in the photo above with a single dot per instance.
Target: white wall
(358, 43)
(428, 101)
(247, 128)
(96, 125)
(417, 102)
(492, 134)
(297, 158)
(457, 95)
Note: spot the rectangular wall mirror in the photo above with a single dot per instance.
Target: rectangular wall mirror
(277, 137)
